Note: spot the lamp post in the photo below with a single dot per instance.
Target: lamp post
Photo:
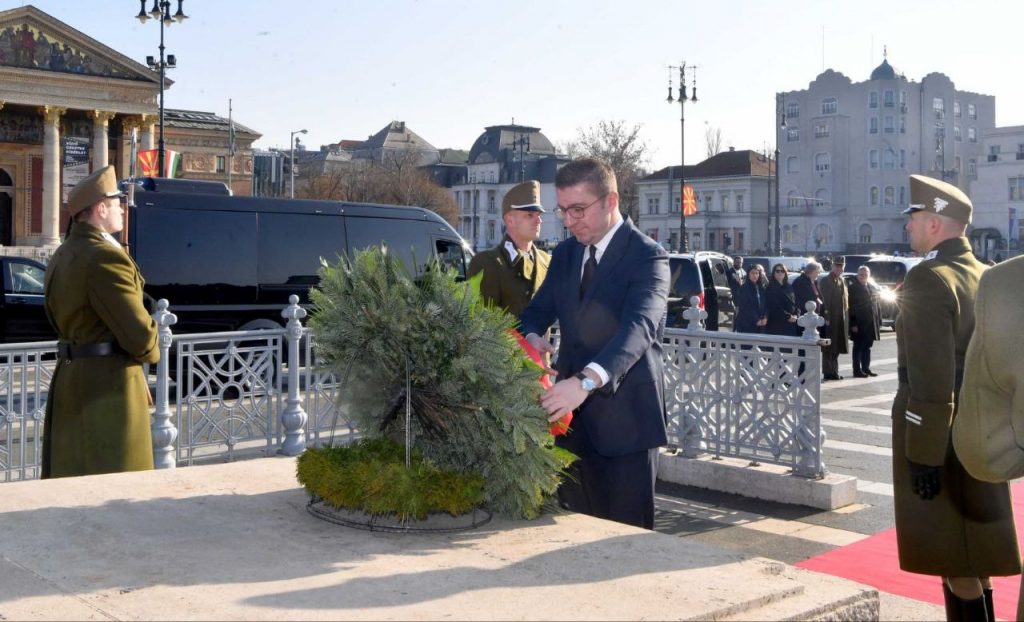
(291, 163)
(161, 12)
(682, 143)
(780, 116)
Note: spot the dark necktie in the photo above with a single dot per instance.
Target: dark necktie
(589, 268)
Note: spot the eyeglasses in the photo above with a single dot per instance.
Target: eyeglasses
(780, 271)
(576, 211)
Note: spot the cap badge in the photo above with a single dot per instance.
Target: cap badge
(940, 204)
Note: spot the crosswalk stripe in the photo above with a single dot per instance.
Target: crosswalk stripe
(862, 401)
(850, 425)
(858, 448)
(874, 488)
(881, 412)
(846, 383)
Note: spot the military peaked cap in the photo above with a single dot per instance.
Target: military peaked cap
(93, 189)
(524, 196)
(938, 197)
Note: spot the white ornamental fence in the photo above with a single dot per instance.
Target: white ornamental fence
(225, 396)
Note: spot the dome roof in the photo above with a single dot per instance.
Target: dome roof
(884, 72)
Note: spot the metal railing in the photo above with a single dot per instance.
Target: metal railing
(224, 396)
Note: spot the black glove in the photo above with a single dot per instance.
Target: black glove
(924, 480)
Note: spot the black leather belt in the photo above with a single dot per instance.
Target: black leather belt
(904, 377)
(72, 351)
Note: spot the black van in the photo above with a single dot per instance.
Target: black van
(230, 263)
(700, 274)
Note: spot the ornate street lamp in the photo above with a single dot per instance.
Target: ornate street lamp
(291, 161)
(682, 143)
(780, 115)
(161, 12)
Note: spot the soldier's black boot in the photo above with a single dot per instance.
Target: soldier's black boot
(990, 606)
(952, 603)
(973, 610)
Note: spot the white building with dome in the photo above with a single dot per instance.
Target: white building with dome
(848, 148)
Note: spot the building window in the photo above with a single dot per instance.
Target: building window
(890, 196)
(903, 125)
(490, 176)
(822, 235)
(956, 108)
(939, 106)
(709, 202)
(739, 202)
(903, 158)
(829, 105)
(903, 101)
(653, 205)
(890, 126)
(793, 199)
(492, 207)
(956, 164)
(890, 99)
(792, 164)
(821, 198)
(221, 164)
(490, 232)
(1017, 188)
(787, 234)
(864, 234)
(972, 112)
(972, 136)
(712, 240)
(903, 196)
(1020, 151)
(822, 162)
(739, 240)
(873, 100)
(873, 159)
(821, 130)
(889, 159)
(972, 166)
(873, 125)
(725, 201)
(957, 134)
(793, 110)
(793, 134)
(873, 196)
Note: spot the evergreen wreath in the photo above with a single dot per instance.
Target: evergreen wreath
(474, 393)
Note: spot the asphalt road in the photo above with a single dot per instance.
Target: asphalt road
(856, 419)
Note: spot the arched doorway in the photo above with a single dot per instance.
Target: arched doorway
(6, 208)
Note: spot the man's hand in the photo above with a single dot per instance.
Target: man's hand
(565, 396)
(543, 346)
(925, 480)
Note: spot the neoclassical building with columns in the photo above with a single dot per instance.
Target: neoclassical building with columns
(68, 105)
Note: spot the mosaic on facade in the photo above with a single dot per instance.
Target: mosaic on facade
(29, 47)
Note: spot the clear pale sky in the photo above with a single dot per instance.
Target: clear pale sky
(343, 69)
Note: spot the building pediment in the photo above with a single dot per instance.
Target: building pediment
(33, 40)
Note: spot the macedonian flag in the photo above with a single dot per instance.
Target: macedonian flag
(148, 163)
(689, 201)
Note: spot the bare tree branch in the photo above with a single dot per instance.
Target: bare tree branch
(623, 149)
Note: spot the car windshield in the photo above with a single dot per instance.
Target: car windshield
(887, 271)
(685, 278)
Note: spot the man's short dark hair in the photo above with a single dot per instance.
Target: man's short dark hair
(595, 173)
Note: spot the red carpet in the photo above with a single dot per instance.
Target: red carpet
(873, 561)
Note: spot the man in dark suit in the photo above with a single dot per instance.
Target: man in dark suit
(607, 286)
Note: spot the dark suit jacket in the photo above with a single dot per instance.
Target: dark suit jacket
(619, 325)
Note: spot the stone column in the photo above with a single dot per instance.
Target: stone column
(51, 175)
(100, 138)
(147, 138)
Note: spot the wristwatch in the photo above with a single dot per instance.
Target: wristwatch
(586, 382)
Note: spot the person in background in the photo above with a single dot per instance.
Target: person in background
(989, 421)
(948, 523)
(865, 321)
(514, 269)
(835, 305)
(734, 276)
(805, 288)
(751, 303)
(782, 309)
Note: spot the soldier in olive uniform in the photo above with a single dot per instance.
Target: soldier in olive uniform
(835, 306)
(97, 412)
(514, 269)
(988, 433)
(947, 522)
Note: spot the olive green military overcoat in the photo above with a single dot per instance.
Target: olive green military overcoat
(506, 283)
(967, 530)
(835, 307)
(97, 411)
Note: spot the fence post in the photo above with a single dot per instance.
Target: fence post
(694, 315)
(810, 462)
(163, 431)
(810, 321)
(293, 418)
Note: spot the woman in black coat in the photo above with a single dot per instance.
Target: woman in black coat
(805, 288)
(781, 303)
(751, 303)
(865, 321)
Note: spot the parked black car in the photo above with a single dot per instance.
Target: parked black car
(700, 274)
(22, 316)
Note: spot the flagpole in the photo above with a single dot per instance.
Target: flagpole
(231, 144)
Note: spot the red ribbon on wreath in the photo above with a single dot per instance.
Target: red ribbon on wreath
(560, 427)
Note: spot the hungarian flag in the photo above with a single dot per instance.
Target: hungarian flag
(148, 161)
(689, 201)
